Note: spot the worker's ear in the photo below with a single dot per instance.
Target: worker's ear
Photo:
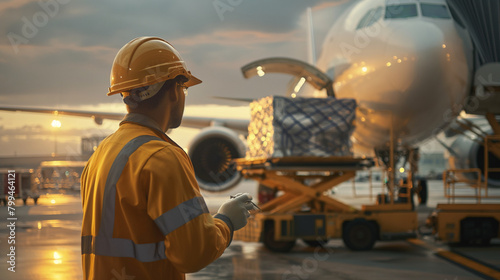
(173, 94)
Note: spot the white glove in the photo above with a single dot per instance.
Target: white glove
(236, 209)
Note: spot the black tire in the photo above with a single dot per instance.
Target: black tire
(25, 201)
(316, 243)
(359, 235)
(478, 230)
(485, 242)
(35, 200)
(422, 192)
(272, 244)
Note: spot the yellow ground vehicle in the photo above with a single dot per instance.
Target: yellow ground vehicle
(306, 211)
(477, 222)
(22, 181)
(59, 176)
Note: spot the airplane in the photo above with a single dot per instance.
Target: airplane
(408, 64)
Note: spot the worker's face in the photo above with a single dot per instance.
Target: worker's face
(177, 110)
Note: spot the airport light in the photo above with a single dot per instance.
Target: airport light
(299, 84)
(57, 258)
(260, 71)
(56, 123)
(364, 69)
(402, 170)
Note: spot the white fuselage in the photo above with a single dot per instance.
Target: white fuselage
(410, 74)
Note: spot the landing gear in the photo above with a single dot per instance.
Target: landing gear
(406, 187)
(422, 191)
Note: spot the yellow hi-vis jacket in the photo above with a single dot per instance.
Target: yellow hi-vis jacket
(143, 214)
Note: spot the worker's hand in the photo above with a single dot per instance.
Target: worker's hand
(236, 209)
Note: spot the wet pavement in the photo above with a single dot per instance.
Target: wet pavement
(47, 244)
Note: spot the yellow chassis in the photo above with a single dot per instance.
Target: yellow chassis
(283, 221)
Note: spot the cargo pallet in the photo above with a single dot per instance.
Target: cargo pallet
(308, 212)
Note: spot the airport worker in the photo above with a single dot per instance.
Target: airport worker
(143, 214)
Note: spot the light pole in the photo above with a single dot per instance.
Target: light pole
(55, 124)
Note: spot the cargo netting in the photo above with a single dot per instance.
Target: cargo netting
(281, 127)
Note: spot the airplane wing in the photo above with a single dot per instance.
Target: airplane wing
(98, 117)
(188, 121)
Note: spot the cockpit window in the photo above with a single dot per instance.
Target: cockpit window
(435, 11)
(401, 11)
(364, 20)
(370, 18)
(376, 16)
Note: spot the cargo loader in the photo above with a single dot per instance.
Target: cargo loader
(306, 210)
(471, 215)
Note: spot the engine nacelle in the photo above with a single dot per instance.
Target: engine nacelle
(212, 152)
(470, 154)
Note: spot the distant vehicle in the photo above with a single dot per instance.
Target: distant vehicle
(24, 188)
(59, 176)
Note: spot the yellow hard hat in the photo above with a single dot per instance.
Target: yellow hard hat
(145, 61)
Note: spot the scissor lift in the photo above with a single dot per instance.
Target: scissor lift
(307, 211)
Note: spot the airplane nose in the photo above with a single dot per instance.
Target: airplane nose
(410, 50)
(420, 60)
(415, 37)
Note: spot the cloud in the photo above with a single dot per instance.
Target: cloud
(241, 38)
(67, 61)
(326, 5)
(13, 4)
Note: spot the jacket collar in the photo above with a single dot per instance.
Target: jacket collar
(146, 121)
(142, 120)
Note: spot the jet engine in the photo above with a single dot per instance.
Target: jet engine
(467, 154)
(212, 152)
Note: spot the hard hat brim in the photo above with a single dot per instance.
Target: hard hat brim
(192, 81)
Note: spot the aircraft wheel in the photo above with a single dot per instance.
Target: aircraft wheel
(35, 200)
(359, 235)
(422, 192)
(272, 244)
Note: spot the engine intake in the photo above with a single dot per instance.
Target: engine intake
(212, 152)
(470, 154)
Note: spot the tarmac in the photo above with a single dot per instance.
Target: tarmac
(47, 246)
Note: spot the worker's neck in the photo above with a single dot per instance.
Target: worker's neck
(160, 117)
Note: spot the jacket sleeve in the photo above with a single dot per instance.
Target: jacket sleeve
(193, 238)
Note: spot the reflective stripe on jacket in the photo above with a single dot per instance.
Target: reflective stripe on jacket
(143, 214)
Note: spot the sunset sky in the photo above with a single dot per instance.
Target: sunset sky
(58, 54)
